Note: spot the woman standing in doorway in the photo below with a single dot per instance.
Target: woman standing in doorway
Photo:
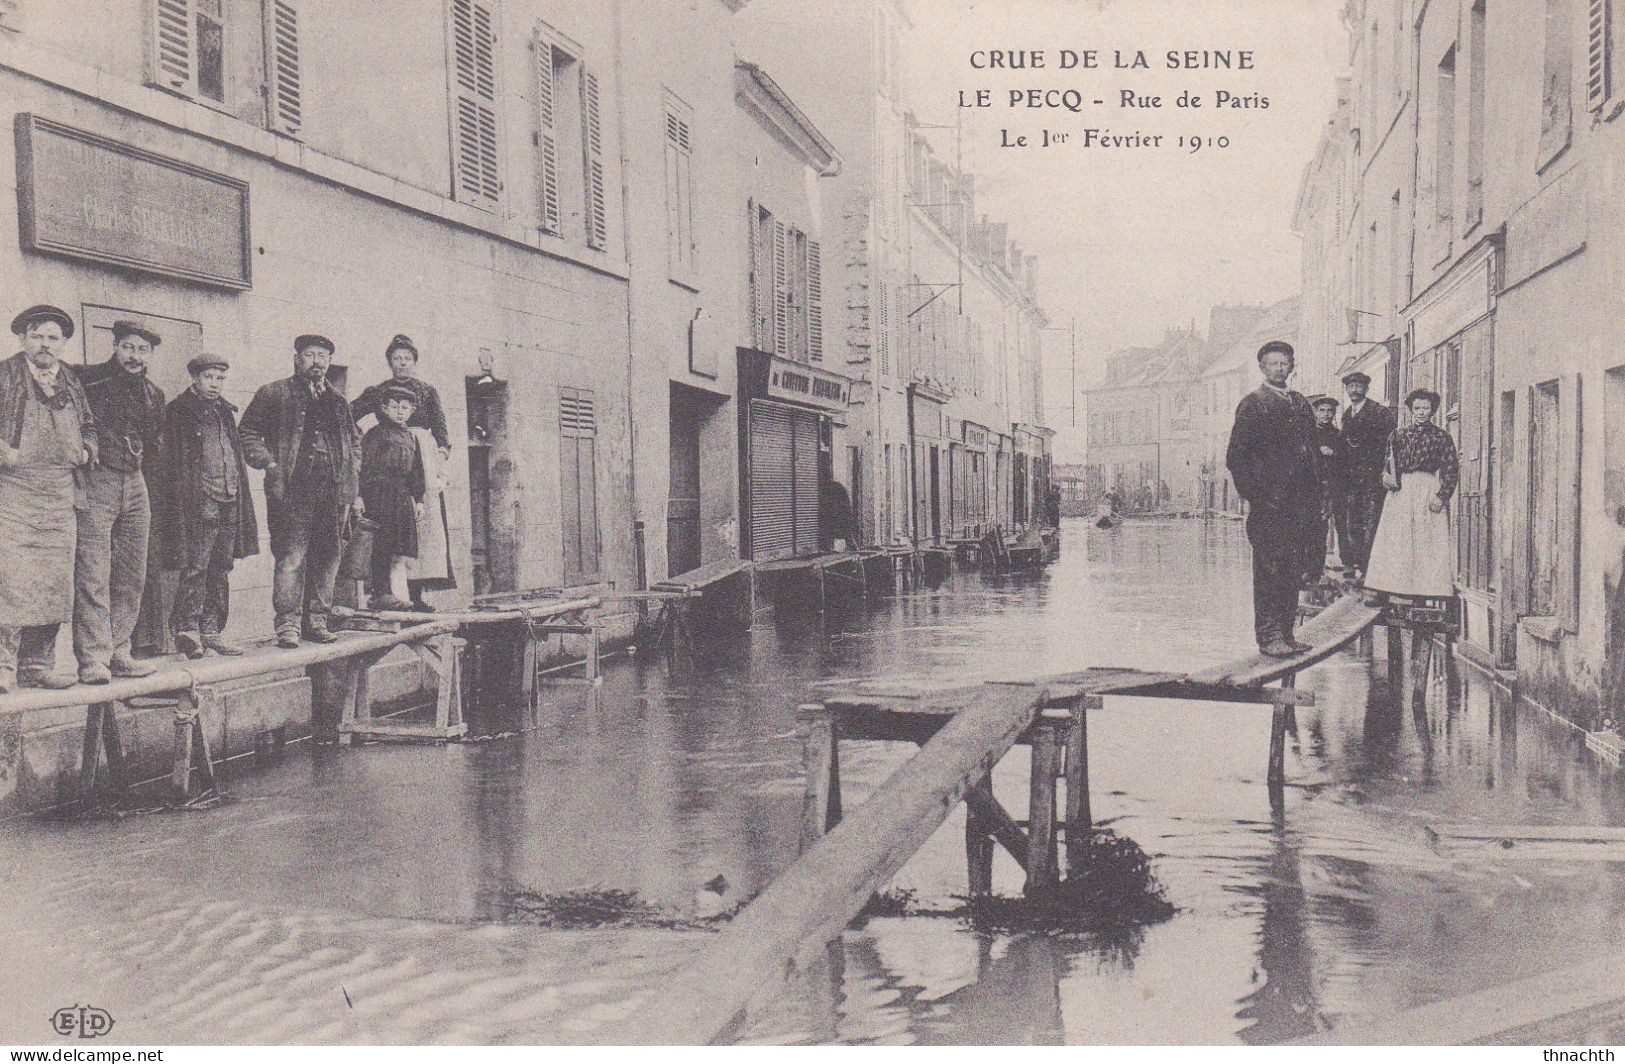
(1412, 552)
(432, 569)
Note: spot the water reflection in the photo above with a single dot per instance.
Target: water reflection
(389, 865)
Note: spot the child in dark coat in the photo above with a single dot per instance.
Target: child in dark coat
(392, 485)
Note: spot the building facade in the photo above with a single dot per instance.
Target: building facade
(933, 312)
(1496, 284)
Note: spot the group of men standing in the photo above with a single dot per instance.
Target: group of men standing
(1299, 472)
(95, 466)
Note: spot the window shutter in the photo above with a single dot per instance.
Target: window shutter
(593, 150)
(578, 487)
(883, 327)
(474, 118)
(546, 140)
(284, 103)
(753, 292)
(173, 56)
(1598, 59)
(815, 304)
(781, 292)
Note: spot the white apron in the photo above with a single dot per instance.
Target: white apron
(1412, 552)
(432, 566)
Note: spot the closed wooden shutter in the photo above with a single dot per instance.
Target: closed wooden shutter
(592, 135)
(679, 191)
(781, 291)
(173, 46)
(578, 485)
(815, 303)
(766, 299)
(753, 281)
(883, 326)
(547, 137)
(804, 434)
(1570, 441)
(285, 102)
(1599, 61)
(476, 173)
(772, 479)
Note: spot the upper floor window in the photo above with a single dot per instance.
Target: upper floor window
(195, 45)
(786, 289)
(679, 188)
(570, 198)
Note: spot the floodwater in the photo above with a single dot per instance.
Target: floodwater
(370, 894)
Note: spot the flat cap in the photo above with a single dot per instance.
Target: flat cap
(397, 390)
(1322, 400)
(198, 363)
(126, 327)
(1356, 378)
(399, 341)
(1278, 345)
(42, 312)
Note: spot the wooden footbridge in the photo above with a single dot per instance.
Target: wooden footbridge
(962, 731)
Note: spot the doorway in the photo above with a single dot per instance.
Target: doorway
(683, 493)
(490, 474)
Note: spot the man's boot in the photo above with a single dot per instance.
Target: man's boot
(220, 646)
(50, 681)
(189, 643)
(95, 674)
(124, 665)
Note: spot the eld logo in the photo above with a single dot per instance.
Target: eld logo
(83, 1020)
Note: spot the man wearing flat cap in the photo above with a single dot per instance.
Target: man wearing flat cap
(205, 512)
(47, 438)
(1272, 459)
(110, 566)
(300, 431)
(1367, 424)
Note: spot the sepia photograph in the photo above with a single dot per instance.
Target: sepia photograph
(811, 523)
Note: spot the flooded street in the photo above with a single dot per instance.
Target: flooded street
(374, 894)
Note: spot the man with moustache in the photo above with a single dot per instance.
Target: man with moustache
(205, 514)
(1367, 424)
(47, 438)
(110, 562)
(1272, 459)
(299, 430)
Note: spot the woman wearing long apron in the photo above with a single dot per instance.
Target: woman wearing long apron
(1412, 552)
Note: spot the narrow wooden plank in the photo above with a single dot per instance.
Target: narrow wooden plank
(817, 895)
(1079, 820)
(1482, 1016)
(996, 822)
(1277, 765)
(1516, 833)
(1042, 873)
(91, 750)
(817, 755)
(978, 856)
(1329, 632)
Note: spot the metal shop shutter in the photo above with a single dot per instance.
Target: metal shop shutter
(772, 480)
(805, 436)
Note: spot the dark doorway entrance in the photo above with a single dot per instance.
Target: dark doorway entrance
(683, 493)
(490, 473)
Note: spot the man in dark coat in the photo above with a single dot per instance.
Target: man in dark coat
(1329, 471)
(205, 514)
(110, 561)
(1367, 424)
(299, 430)
(1271, 458)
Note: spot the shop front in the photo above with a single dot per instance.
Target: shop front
(786, 413)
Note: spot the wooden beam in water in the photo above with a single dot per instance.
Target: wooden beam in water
(1486, 1016)
(813, 900)
(1556, 842)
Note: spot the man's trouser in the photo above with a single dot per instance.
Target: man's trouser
(1361, 510)
(110, 565)
(1278, 538)
(28, 651)
(203, 595)
(302, 588)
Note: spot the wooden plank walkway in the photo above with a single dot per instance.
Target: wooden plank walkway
(786, 926)
(1550, 842)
